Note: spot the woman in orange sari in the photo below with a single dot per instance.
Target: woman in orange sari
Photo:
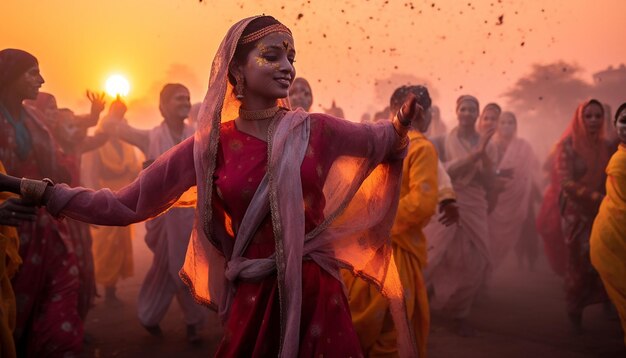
(608, 236)
(11, 215)
(285, 199)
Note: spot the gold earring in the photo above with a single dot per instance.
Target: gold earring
(239, 86)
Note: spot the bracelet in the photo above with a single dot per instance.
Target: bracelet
(401, 119)
(32, 191)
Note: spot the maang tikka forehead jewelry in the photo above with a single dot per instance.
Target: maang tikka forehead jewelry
(239, 84)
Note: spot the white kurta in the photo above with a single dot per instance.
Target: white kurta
(458, 255)
(168, 237)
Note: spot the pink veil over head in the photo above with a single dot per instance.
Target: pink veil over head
(361, 192)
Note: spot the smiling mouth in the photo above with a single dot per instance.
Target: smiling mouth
(283, 81)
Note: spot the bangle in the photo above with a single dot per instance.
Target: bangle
(32, 191)
(401, 119)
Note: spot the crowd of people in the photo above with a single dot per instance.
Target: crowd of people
(300, 229)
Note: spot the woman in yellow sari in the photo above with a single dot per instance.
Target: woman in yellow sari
(608, 236)
(418, 202)
(112, 166)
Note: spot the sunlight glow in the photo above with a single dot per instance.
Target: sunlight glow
(117, 85)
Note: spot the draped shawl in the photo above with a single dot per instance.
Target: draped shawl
(361, 193)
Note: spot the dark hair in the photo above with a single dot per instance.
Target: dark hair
(168, 91)
(13, 64)
(243, 50)
(400, 94)
(620, 109)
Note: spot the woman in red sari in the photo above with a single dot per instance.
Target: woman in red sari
(578, 177)
(46, 286)
(285, 199)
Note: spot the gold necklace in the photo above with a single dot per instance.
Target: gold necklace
(257, 115)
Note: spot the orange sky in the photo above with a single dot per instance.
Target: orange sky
(343, 46)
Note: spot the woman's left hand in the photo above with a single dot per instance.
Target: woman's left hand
(410, 111)
(13, 211)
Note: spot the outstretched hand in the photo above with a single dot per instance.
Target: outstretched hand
(97, 100)
(118, 108)
(410, 110)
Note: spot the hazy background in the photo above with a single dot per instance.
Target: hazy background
(538, 58)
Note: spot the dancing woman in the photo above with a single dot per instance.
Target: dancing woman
(285, 199)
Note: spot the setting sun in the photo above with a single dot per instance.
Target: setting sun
(117, 85)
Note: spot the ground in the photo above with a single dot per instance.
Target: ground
(522, 315)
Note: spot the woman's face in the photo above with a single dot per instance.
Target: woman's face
(269, 69)
(620, 125)
(507, 125)
(489, 119)
(28, 84)
(593, 117)
(467, 113)
(300, 95)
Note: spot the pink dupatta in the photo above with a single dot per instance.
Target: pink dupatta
(361, 196)
(361, 200)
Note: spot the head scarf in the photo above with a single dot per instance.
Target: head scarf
(13, 64)
(592, 149)
(214, 261)
(493, 106)
(468, 98)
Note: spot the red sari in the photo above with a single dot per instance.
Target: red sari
(46, 286)
(253, 327)
(575, 194)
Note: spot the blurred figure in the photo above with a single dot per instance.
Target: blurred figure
(514, 208)
(608, 236)
(489, 117)
(168, 234)
(459, 259)
(577, 189)
(300, 94)
(437, 127)
(194, 111)
(70, 131)
(113, 165)
(335, 111)
(46, 104)
(46, 286)
(610, 131)
(12, 213)
(382, 115)
(418, 202)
